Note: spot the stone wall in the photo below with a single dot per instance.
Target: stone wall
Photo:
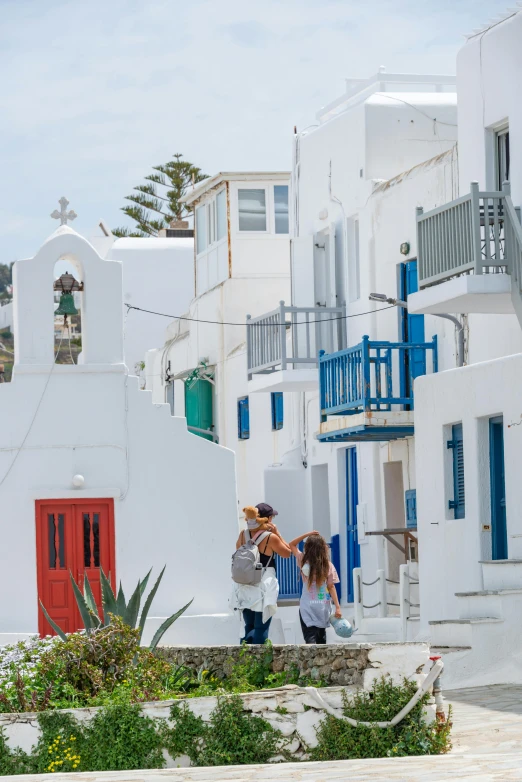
(337, 664)
(295, 711)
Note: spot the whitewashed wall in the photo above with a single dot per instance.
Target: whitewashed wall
(173, 492)
(158, 275)
(453, 548)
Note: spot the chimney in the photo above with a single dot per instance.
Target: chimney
(179, 229)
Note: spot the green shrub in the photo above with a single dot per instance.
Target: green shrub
(13, 761)
(120, 738)
(231, 737)
(338, 740)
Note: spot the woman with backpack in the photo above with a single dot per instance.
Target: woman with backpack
(256, 588)
(319, 579)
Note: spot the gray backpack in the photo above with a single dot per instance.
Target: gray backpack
(246, 563)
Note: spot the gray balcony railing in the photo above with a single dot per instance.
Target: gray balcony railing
(311, 329)
(465, 236)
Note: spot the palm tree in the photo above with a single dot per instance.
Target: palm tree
(157, 203)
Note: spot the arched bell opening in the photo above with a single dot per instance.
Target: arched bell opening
(67, 289)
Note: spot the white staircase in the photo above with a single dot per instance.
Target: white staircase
(488, 630)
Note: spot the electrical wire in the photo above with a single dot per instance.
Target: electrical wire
(229, 323)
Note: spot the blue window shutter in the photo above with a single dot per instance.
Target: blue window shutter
(456, 444)
(410, 498)
(243, 419)
(277, 410)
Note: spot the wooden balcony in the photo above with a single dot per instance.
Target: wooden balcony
(366, 392)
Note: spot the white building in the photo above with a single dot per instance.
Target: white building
(468, 438)
(378, 152)
(241, 265)
(158, 275)
(92, 473)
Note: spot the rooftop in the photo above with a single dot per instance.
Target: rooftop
(357, 90)
(217, 180)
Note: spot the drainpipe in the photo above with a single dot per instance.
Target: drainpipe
(459, 328)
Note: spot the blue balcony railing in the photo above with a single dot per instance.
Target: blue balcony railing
(288, 575)
(372, 376)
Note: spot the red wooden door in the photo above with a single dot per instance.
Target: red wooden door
(75, 537)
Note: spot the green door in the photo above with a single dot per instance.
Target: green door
(198, 408)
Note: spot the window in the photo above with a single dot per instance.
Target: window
(252, 210)
(456, 444)
(354, 282)
(502, 157)
(169, 396)
(276, 400)
(243, 419)
(201, 229)
(281, 209)
(211, 221)
(221, 209)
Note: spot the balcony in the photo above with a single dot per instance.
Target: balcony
(283, 346)
(466, 252)
(366, 392)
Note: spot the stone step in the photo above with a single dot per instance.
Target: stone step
(457, 632)
(502, 574)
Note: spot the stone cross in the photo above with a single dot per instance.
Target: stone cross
(63, 215)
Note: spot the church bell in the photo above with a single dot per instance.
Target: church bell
(66, 305)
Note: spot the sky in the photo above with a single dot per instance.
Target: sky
(95, 93)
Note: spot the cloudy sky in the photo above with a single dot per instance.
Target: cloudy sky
(95, 93)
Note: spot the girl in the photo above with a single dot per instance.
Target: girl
(259, 603)
(319, 579)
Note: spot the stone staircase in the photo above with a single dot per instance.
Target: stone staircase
(488, 630)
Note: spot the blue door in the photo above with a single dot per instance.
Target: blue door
(498, 489)
(411, 327)
(352, 500)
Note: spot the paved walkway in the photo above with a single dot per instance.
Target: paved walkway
(487, 747)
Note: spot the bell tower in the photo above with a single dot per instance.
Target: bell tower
(101, 299)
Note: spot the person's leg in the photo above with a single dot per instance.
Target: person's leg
(260, 634)
(321, 635)
(260, 629)
(309, 633)
(249, 620)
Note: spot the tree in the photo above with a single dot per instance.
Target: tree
(157, 202)
(6, 278)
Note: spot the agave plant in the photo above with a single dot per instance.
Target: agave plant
(116, 605)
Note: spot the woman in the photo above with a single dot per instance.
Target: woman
(319, 579)
(259, 603)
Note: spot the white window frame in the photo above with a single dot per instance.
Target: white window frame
(210, 211)
(269, 206)
(268, 187)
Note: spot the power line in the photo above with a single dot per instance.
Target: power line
(250, 323)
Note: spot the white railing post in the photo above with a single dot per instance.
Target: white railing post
(282, 333)
(382, 608)
(475, 226)
(357, 596)
(419, 211)
(250, 362)
(404, 600)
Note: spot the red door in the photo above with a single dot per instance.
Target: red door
(76, 537)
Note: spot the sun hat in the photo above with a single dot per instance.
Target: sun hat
(265, 510)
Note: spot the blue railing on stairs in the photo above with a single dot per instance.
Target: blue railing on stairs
(372, 376)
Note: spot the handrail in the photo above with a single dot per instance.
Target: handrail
(464, 236)
(311, 329)
(372, 375)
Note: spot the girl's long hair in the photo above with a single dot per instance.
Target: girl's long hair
(316, 555)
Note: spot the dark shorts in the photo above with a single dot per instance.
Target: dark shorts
(312, 635)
